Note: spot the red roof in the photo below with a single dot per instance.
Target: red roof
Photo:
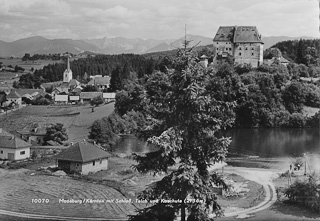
(82, 152)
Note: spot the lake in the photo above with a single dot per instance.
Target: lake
(274, 142)
(262, 142)
(274, 148)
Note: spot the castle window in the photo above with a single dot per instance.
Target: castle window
(252, 49)
(239, 53)
(252, 54)
(246, 49)
(240, 48)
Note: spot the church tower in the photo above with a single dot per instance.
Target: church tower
(67, 75)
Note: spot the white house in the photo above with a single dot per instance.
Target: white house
(13, 148)
(83, 158)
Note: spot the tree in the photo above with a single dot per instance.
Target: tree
(57, 133)
(90, 88)
(294, 97)
(182, 122)
(97, 101)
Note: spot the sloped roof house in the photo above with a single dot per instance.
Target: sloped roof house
(83, 158)
(13, 148)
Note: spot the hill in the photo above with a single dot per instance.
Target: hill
(116, 45)
(272, 40)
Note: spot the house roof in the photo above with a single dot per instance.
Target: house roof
(13, 94)
(100, 81)
(33, 129)
(82, 152)
(238, 34)
(7, 140)
(30, 92)
(89, 95)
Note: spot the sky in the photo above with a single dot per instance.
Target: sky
(154, 19)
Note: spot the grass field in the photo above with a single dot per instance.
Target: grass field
(20, 188)
(78, 126)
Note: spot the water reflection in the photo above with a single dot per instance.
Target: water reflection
(276, 142)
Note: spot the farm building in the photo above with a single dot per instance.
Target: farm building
(101, 82)
(109, 96)
(88, 96)
(33, 134)
(242, 42)
(83, 158)
(13, 148)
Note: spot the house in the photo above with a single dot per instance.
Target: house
(14, 97)
(61, 98)
(88, 96)
(33, 134)
(100, 82)
(242, 42)
(83, 158)
(13, 148)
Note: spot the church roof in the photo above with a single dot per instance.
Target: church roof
(238, 34)
(82, 152)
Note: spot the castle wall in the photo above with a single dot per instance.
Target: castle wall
(223, 46)
(249, 53)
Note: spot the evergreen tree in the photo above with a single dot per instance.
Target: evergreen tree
(182, 121)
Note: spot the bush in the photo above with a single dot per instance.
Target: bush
(306, 193)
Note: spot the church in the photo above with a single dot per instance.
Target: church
(68, 84)
(241, 42)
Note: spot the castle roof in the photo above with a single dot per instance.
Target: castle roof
(82, 152)
(238, 34)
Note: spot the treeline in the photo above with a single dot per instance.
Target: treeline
(301, 51)
(55, 57)
(116, 65)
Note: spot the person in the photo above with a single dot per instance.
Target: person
(298, 166)
(290, 167)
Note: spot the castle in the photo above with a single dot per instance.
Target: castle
(242, 42)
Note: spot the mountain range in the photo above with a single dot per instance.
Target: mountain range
(116, 45)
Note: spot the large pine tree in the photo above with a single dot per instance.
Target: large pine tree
(182, 120)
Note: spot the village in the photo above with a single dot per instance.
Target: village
(78, 178)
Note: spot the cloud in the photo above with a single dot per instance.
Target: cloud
(156, 19)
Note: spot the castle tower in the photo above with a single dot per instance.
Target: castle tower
(67, 75)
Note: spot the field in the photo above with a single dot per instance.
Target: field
(77, 119)
(22, 186)
(27, 65)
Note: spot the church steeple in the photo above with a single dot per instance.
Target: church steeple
(68, 62)
(67, 75)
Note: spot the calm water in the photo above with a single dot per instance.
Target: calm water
(276, 142)
(260, 142)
